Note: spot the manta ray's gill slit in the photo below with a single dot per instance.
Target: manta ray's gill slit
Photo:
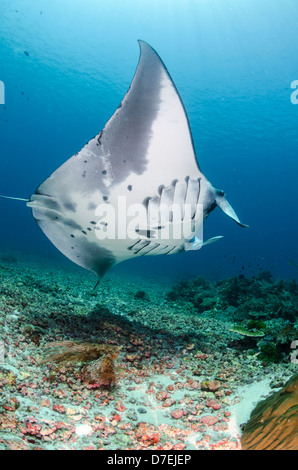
(132, 246)
(186, 179)
(145, 243)
(199, 190)
(160, 189)
(155, 245)
(172, 249)
(146, 202)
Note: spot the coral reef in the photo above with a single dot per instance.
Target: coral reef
(199, 292)
(273, 424)
(259, 306)
(243, 298)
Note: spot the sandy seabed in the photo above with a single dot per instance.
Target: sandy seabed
(180, 383)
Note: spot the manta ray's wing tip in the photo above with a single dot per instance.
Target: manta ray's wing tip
(145, 45)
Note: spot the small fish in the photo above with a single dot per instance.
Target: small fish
(292, 262)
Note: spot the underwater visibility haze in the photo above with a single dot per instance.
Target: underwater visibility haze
(169, 352)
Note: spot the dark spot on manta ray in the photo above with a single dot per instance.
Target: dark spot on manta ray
(104, 172)
(129, 187)
(88, 228)
(92, 222)
(84, 174)
(91, 207)
(105, 198)
(99, 137)
(71, 206)
(83, 231)
(85, 161)
(72, 235)
(146, 233)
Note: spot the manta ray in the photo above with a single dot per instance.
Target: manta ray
(141, 167)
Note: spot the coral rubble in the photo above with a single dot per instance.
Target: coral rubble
(127, 366)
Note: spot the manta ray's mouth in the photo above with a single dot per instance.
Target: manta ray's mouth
(45, 208)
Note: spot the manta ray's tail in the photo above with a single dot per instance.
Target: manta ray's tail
(15, 198)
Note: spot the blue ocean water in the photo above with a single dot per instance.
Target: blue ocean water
(66, 66)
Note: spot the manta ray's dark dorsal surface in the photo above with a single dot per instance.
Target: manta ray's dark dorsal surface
(143, 156)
